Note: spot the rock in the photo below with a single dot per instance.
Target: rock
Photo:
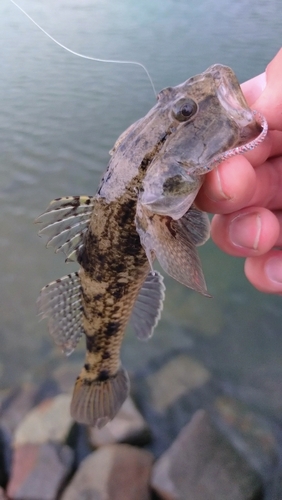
(262, 389)
(179, 376)
(128, 426)
(15, 406)
(187, 310)
(113, 472)
(50, 420)
(2, 494)
(249, 431)
(5, 456)
(39, 471)
(201, 464)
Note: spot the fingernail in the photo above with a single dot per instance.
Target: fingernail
(244, 231)
(221, 195)
(273, 269)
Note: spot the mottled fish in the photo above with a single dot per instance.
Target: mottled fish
(143, 209)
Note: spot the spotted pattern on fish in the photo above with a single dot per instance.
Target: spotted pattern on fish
(144, 208)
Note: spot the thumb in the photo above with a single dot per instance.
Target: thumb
(268, 100)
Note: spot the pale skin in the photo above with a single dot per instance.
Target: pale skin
(245, 192)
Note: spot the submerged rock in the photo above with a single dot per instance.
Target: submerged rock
(39, 471)
(201, 464)
(179, 376)
(2, 494)
(114, 472)
(50, 420)
(16, 405)
(249, 431)
(128, 427)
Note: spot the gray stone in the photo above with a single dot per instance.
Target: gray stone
(2, 494)
(249, 431)
(39, 471)
(114, 472)
(50, 420)
(201, 464)
(179, 376)
(15, 405)
(128, 426)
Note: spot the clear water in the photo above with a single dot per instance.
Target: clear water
(60, 115)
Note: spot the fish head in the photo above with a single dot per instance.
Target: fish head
(208, 116)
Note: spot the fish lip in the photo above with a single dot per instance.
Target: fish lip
(232, 99)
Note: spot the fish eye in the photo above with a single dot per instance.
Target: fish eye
(185, 109)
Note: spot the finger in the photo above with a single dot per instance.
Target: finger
(234, 184)
(228, 187)
(268, 186)
(265, 271)
(276, 143)
(253, 88)
(250, 232)
(269, 103)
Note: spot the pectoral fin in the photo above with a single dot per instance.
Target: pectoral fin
(174, 244)
(197, 225)
(148, 306)
(65, 221)
(60, 302)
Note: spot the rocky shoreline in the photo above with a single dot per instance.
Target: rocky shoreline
(44, 455)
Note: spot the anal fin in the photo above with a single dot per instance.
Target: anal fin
(148, 306)
(60, 302)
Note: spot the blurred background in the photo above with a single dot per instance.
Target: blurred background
(60, 115)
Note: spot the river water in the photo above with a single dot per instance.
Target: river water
(60, 115)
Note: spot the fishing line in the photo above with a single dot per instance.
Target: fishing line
(96, 59)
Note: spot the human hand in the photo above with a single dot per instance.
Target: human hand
(246, 191)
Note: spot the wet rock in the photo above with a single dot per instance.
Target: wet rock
(113, 472)
(187, 309)
(249, 431)
(262, 389)
(39, 471)
(201, 464)
(5, 456)
(128, 426)
(179, 376)
(50, 420)
(15, 405)
(2, 494)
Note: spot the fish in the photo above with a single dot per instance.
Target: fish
(144, 209)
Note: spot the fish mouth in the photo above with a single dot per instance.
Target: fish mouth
(252, 135)
(232, 99)
(250, 132)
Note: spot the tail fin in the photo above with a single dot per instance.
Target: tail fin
(97, 402)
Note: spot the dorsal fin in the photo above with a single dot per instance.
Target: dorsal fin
(64, 223)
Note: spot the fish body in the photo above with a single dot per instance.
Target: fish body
(143, 209)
